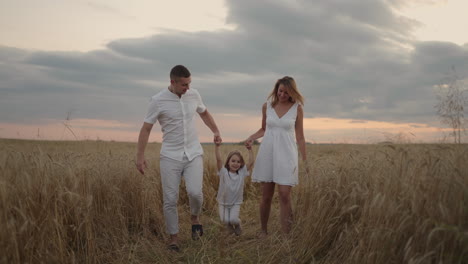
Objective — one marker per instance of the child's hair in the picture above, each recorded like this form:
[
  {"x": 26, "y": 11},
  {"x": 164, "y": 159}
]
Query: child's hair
[{"x": 232, "y": 153}]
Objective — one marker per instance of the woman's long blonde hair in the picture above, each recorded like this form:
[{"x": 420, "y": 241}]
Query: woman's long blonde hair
[{"x": 290, "y": 85}]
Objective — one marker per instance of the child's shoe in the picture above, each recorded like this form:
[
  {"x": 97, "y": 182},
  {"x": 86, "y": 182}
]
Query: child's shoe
[{"x": 237, "y": 230}]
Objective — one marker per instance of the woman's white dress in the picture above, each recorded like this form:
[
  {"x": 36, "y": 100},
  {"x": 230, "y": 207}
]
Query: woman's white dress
[{"x": 277, "y": 157}]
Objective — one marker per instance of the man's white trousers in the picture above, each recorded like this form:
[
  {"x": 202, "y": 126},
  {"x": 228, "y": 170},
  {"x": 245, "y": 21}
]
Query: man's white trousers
[{"x": 172, "y": 172}]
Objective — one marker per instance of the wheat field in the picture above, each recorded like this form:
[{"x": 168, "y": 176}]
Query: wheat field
[{"x": 84, "y": 202}]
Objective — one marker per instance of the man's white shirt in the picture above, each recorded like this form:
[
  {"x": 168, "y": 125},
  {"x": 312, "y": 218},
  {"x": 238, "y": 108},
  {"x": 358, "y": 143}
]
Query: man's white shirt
[{"x": 176, "y": 117}]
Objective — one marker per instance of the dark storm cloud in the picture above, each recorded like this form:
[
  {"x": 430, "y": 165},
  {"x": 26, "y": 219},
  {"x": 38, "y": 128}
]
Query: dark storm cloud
[
  {"x": 95, "y": 85},
  {"x": 351, "y": 59}
]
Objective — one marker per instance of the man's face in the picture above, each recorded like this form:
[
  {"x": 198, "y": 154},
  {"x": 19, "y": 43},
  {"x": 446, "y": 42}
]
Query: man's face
[{"x": 181, "y": 85}]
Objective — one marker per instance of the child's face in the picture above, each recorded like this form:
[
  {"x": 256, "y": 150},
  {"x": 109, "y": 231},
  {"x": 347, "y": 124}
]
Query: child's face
[{"x": 234, "y": 163}]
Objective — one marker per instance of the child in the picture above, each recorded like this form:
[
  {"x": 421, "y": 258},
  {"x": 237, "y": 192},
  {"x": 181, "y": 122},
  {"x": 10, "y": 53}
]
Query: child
[{"x": 231, "y": 187}]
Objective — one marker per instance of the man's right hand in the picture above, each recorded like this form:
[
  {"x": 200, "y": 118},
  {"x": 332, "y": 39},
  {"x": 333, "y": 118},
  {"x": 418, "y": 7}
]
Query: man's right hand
[
  {"x": 141, "y": 165},
  {"x": 217, "y": 139}
]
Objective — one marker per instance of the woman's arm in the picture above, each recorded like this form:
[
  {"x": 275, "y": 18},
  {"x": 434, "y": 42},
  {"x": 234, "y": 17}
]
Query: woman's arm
[
  {"x": 261, "y": 131},
  {"x": 300, "y": 135}
]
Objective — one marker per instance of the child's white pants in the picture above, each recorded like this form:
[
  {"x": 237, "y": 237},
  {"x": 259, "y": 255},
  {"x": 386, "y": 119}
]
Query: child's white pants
[
  {"x": 172, "y": 172},
  {"x": 229, "y": 214}
]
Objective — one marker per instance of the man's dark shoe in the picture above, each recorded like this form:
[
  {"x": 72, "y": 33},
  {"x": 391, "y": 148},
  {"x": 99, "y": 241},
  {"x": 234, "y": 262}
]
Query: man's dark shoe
[{"x": 197, "y": 231}]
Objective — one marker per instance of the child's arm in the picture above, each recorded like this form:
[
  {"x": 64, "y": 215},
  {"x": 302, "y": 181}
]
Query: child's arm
[
  {"x": 219, "y": 161},
  {"x": 251, "y": 158}
]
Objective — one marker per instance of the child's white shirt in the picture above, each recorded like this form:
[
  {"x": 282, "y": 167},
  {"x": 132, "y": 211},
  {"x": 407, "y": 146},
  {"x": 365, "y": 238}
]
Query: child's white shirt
[{"x": 231, "y": 186}]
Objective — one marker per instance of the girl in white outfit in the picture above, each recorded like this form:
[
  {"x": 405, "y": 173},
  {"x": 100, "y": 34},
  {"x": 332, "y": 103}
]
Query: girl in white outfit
[{"x": 231, "y": 187}]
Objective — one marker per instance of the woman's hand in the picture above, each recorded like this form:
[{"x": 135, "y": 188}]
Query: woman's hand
[{"x": 306, "y": 165}]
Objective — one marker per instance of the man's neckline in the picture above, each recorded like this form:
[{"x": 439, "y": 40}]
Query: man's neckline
[{"x": 169, "y": 88}]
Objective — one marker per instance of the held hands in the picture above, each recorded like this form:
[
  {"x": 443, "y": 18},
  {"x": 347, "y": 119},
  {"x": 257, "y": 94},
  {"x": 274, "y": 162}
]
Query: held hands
[
  {"x": 248, "y": 146},
  {"x": 248, "y": 143},
  {"x": 217, "y": 139}
]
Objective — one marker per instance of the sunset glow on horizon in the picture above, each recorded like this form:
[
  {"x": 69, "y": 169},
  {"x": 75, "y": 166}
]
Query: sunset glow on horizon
[{"x": 234, "y": 128}]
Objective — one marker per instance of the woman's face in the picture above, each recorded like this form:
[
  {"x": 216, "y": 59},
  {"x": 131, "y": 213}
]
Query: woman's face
[{"x": 282, "y": 93}]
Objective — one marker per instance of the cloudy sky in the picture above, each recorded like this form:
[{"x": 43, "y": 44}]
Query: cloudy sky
[{"x": 367, "y": 68}]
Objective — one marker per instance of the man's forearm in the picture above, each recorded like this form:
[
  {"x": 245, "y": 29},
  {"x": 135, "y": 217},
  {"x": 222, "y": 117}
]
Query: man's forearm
[
  {"x": 142, "y": 142},
  {"x": 210, "y": 123}
]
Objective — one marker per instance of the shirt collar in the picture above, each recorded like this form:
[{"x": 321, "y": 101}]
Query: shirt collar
[{"x": 172, "y": 95}]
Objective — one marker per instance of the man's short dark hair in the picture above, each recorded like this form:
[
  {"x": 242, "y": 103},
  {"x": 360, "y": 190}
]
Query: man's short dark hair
[{"x": 179, "y": 71}]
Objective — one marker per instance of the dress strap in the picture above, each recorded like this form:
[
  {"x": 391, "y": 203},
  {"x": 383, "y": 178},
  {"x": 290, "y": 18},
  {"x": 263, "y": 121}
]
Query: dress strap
[{"x": 293, "y": 109}]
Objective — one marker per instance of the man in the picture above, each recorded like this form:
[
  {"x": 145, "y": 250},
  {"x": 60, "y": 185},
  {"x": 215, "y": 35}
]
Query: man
[{"x": 181, "y": 152}]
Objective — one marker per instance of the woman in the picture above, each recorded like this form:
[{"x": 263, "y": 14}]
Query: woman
[{"x": 277, "y": 158}]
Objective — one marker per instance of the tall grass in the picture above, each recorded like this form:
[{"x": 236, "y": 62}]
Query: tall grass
[{"x": 84, "y": 202}]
